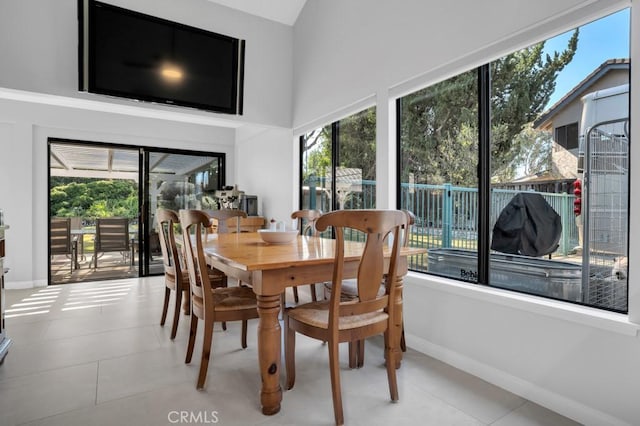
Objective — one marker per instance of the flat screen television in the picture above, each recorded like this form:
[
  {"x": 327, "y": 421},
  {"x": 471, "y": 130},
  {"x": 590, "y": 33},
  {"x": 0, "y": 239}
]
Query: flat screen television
[{"x": 129, "y": 54}]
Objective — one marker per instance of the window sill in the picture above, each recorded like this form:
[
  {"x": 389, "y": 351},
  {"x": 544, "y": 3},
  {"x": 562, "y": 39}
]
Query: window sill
[{"x": 583, "y": 315}]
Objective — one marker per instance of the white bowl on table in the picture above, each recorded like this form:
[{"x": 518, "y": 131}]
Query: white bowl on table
[{"x": 277, "y": 237}]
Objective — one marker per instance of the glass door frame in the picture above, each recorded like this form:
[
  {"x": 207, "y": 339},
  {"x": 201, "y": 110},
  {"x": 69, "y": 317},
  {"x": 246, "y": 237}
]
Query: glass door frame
[
  {"x": 146, "y": 223},
  {"x": 143, "y": 255}
]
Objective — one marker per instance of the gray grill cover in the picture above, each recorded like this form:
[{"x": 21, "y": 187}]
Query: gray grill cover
[{"x": 527, "y": 226}]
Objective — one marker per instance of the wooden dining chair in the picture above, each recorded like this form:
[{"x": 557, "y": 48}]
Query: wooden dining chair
[
  {"x": 349, "y": 291},
  {"x": 371, "y": 313},
  {"x": 307, "y": 225},
  {"x": 223, "y": 215},
  {"x": 176, "y": 277},
  {"x": 207, "y": 303}
]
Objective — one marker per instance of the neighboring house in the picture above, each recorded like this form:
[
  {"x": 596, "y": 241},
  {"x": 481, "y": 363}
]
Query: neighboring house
[
  {"x": 563, "y": 121},
  {"x": 563, "y": 118}
]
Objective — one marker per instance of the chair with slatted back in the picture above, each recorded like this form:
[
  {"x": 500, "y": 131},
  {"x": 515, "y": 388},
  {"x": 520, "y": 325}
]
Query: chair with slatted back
[
  {"x": 61, "y": 241},
  {"x": 112, "y": 234},
  {"x": 176, "y": 276},
  {"x": 349, "y": 292},
  {"x": 222, "y": 217},
  {"x": 371, "y": 313},
  {"x": 307, "y": 225},
  {"x": 221, "y": 225},
  {"x": 207, "y": 303}
]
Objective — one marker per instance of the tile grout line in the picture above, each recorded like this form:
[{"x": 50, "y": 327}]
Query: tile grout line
[
  {"x": 510, "y": 412},
  {"x": 95, "y": 400}
]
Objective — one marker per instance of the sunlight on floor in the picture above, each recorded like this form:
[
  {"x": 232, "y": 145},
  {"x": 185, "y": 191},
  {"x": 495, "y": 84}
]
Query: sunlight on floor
[{"x": 98, "y": 295}]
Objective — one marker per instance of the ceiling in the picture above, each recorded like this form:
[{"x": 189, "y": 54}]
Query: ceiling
[{"x": 283, "y": 11}]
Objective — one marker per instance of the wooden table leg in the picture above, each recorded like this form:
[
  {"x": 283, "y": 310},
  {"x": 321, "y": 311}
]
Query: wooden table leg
[
  {"x": 269, "y": 349},
  {"x": 397, "y": 320}
]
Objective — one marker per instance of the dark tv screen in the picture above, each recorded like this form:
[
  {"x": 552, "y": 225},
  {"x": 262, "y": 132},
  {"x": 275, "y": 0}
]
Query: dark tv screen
[{"x": 133, "y": 55}]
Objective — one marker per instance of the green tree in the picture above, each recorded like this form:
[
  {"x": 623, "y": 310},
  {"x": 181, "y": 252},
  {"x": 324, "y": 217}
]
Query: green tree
[
  {"x": 317, "y": 153},
  {"x": 439, "y": 123},
  {"x": 357, "y": 143},
  {"x": 93, "y": 198}
]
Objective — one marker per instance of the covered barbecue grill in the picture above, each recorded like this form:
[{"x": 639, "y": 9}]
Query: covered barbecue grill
[{"x": 527, "y": 226}]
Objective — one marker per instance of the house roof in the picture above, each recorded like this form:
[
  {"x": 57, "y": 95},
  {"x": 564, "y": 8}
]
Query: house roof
[
  {"x": 544, "y": 177},
  {"x": 581, "y": 88}
]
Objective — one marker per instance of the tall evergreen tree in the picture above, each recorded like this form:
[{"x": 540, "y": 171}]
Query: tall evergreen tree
[{"x": 439, "y": 127}]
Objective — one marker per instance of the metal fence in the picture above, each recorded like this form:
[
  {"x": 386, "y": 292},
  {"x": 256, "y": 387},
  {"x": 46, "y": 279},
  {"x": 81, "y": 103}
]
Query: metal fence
[{"x": 446, "y": 215}]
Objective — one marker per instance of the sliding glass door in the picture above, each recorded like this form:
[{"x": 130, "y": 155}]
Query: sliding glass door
[
  {"x": 94, "y": 213},
  {"x": 176, "y": 180},
  {"x": 113, "y": 191}
]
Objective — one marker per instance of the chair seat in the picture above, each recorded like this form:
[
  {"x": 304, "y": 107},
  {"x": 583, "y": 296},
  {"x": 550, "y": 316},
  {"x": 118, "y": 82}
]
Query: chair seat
[
  {"x": 316, "y": 314},
  {"x": 349, "y": 290},
  {"x": 231, "y": 299}
]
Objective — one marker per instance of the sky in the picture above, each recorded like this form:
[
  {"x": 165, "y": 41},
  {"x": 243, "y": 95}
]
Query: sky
[{"x": 606, "y": 38}]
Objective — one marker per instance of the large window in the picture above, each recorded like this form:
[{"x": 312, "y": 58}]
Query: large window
[
  {"x": 438, "y": 159},
  {"x": 501, "y": 199},
  {"x": 345, "y": 149}
]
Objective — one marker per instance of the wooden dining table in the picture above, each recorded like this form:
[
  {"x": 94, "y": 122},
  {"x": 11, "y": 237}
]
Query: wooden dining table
[{"x": 270, "y": 269}]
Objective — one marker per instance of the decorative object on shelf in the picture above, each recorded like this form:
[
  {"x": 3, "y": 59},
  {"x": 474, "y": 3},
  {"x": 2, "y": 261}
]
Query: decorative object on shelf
[{"x": 229, "y": 197}]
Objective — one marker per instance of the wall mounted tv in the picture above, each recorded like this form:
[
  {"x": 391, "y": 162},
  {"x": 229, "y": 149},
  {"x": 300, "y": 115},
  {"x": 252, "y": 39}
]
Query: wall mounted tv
[{"x": 133, "y": 55}]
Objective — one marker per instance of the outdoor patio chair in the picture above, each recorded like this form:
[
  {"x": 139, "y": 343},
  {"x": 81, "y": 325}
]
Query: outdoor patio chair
[
  {"x": 62, "y": 242},
  {"x": 112, "y": 234}
]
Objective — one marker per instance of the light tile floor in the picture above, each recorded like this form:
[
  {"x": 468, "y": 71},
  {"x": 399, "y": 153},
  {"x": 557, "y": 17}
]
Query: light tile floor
[{"x": 94, "y": 354}]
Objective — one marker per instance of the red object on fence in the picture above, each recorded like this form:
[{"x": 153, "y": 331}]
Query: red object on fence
[{"x": 577, "y": 191}]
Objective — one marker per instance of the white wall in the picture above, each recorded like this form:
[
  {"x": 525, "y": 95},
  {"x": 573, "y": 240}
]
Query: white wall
[
  {"x": 39, "y": 49},
  {"x": 267, "y": 166},
  {"x": 39, "y": 99},
  {"x": 24, "y": 131},
  {"x": 580, "y": 362}
]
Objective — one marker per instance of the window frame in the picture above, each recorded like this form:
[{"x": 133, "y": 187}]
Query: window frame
[{"x": 485, "y": 191}]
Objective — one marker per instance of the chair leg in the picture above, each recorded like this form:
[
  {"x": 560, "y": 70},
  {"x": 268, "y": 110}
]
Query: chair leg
[
  {"x": 295, "y": 295},
  {"x": 356, "y": 354},
  {"x": 334, "y": 367},
  {"x": 176, "y": 314},
  {"x": 224, "y": 325},
  {"x": 165, "y": 306},
  {"x": 206, "y": 352},
  {"x": 314, "y": 298},
  {"x": 390, "y": 356},
  {"x": 403, "y": 344},
  {"x": 353, "y": 355},
  {"x": 192, "y": 338},
  {"x": 244, "y": 334},
  {"x": 360, "y": 353},
  {"x": 289, "y": 354}
]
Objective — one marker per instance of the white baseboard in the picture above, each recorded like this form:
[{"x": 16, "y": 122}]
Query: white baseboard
[
  {"x": 21, "y": 285},
  {"x": 559, "y": 403}
]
